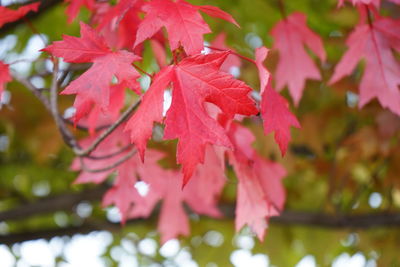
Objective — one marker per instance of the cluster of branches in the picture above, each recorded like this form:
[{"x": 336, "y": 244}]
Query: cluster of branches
[{"x": 51, "y": 104}]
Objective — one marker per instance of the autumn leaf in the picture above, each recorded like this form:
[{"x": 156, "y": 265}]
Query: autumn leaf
[
  {"x": 274, "y": 108},
  {"x": 75, "y": 5},
  {"x": 195, "y": 80},
  {"x": 201, "y": 194},
  {"x": 198, "y": 79},
  {"x": 93, "y": 86},
  {"x": 119, "y": 23},
  {"x": 183, "y": 22},
  {"x": 5, "y": 76},
  {"x": 381, "y": 78},
  {"x": 365, "y": 2},
  {"x": 9, "y": 15},
  {"x": 260, "y": 193},
  {"x": 140, "y": 126},
  {"x": 295, "y": 65}
]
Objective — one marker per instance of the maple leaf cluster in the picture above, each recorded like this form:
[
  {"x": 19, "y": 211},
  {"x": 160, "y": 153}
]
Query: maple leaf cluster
[{"x": 208, "y": 103}]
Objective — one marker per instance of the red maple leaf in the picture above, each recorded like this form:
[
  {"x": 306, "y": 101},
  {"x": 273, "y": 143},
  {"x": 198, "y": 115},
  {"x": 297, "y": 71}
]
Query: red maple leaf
[
  {"x": 295, "y": 65},
  {"x": 9, "y": 15},
  {"x": 260, "y": 190},
  {"x": 274, "y": 108},
  {"x": 93, "y": 86},
  {"x": 381, "y": 78},
  {"x": 74, "y": 6},
  {"x": 183, "y": 22},
  {"x": 196, "y": 80},
  {"x": 119, "y": 23},
  {"x": 5, "y": 76}
]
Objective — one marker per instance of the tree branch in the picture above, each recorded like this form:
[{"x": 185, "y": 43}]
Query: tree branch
[
  {"x": 109, "y": 167},
  {"x": 67, "y": 202},
  {"x": 361, "y": 221},
  {"x": 52, "y": 106},
  {"x": 68, "y": 137},
  {"x": 62, "y": 202},
  {"x": 107, "y": 132}
]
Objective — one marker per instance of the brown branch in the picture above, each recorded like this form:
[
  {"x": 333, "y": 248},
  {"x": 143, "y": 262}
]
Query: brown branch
[
  {"x": 52, "y": 106},
  {"x": 352, "y": 221},
  {"x": 66, "y": 202},
  {"x": 62, "y": 202},
  {"x": 142, "y": 70},
  {"x": 361, "y": 221},
  {"x": 282, "y": 9},
  {"x": 47, "y": 234},
  {"x": 68, "y": 137}
]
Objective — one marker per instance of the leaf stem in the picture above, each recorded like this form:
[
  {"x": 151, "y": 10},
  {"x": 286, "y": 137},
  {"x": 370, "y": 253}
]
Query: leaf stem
[
  {"x": 369, "y": 16},
  {"x": 107, "y": 156},
  {"x": 35, "y": 31},
  {"x": 233, "y": 53},
  {"x": 142, "y": 70},
  {"x": 282, "y": 9}
]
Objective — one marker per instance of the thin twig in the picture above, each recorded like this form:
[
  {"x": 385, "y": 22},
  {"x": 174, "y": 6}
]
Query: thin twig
[
  {"x": 107, "y": 132},
  {"x": 84, "y": 128},
  {"x": 52, "y": 106},
  {"x": 282, "y": 9},
  {"x": 142, "y": 70},
  {"x": 68, "y": 137},
  {"x": 34, "y": 30},
  {"x": 107, "y": 156},
  {"x": 110, "y": 167}
]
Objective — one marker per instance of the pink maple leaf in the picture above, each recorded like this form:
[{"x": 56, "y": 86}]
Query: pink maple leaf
[
  {"x": 274, "y": 108},
  {"x": 295, "y": 65},
  {"x": 365, "y": 2},
  {"x": 75, "y": 5},
  {"x": 260, "y": 190},
  {"x": 201, "y": 194},
  {"x": 382, "y": 71},
  {"x": 127, "y": 198}
]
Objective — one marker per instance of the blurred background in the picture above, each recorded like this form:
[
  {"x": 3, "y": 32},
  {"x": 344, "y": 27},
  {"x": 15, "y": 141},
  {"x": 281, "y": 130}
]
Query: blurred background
[{"x": 343, "y": 184}]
